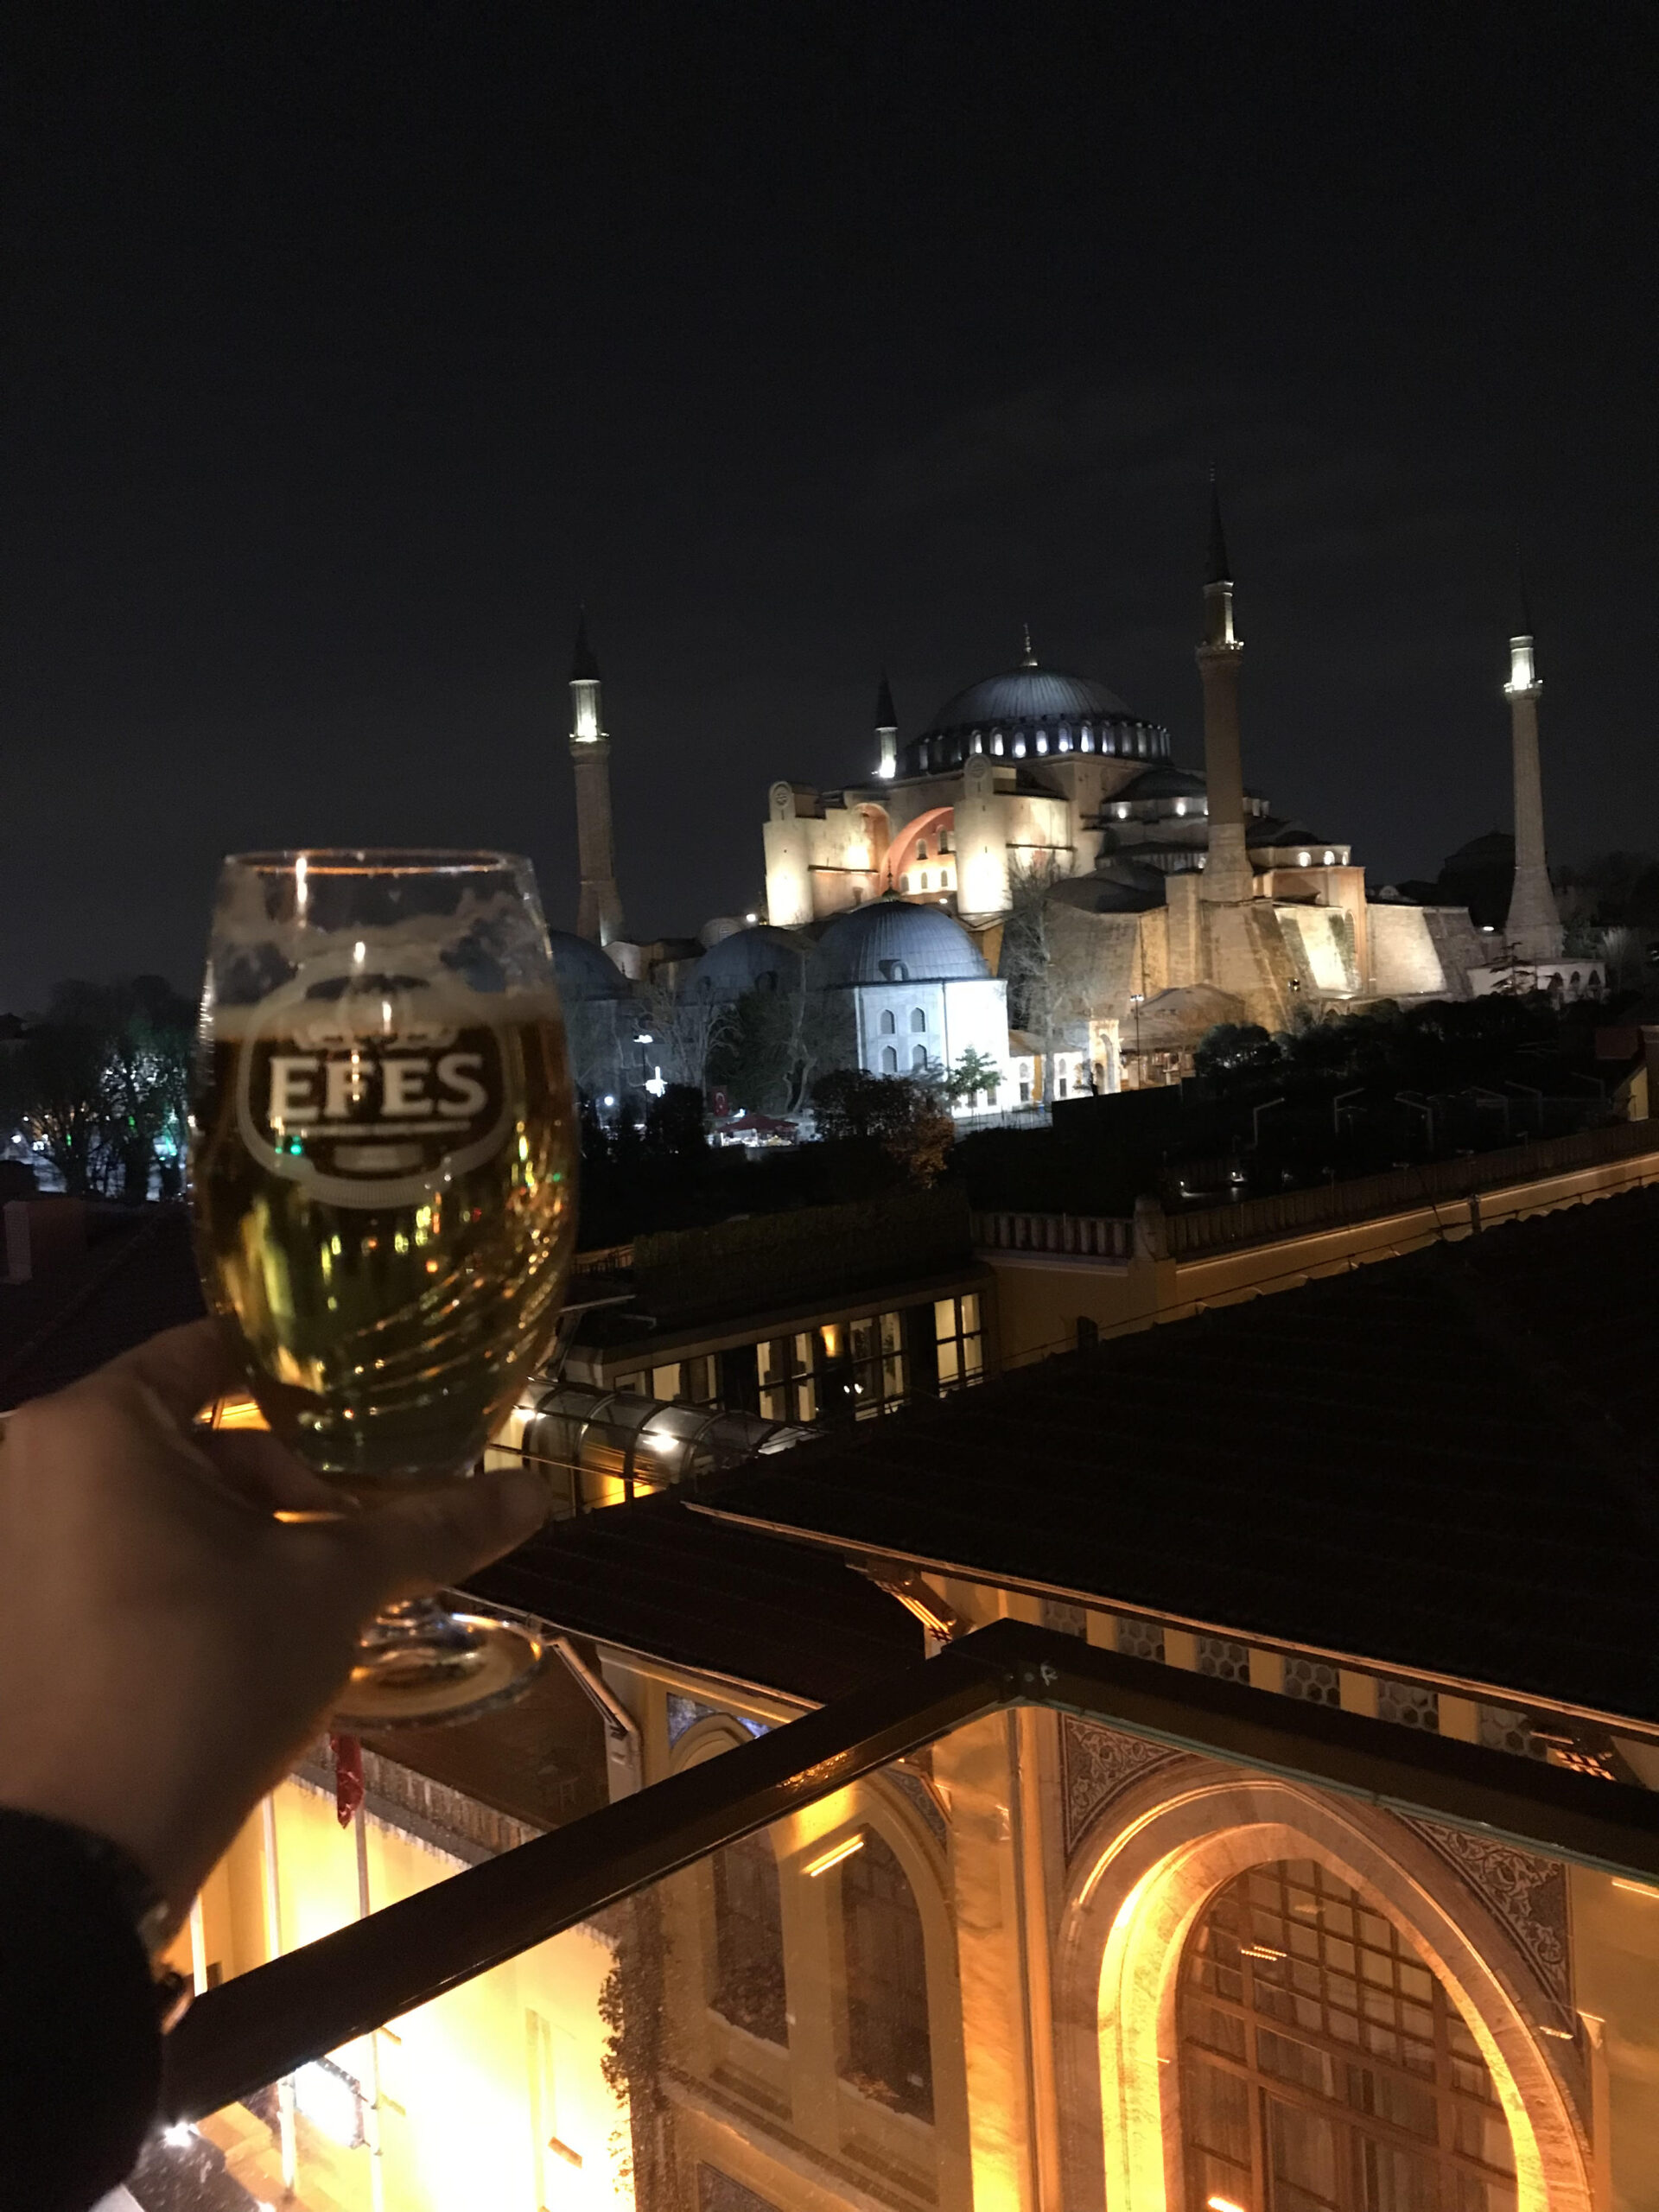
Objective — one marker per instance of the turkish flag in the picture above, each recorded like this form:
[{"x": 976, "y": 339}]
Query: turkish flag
[{"x": 348, "y": 1777}]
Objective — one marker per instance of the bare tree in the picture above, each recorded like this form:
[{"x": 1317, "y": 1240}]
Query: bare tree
[{"x": 688, "y": 1025}]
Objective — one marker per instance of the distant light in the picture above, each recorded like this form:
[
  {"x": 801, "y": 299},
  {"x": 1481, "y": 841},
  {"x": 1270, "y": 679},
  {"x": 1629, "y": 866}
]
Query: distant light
[
  {"x": 645, "y": 1037},
  {"x": 1329, "y": 860},
  {"x": 178, "y": 2135},
  {"x": 750, "y": 919},
  {"x": 610, "y": 1101},
  {"x": 358, "y": 951},
  {"x": 1303, "y": 859},
  {"x": 1221, "y": 2204},
  {"x": 1488, "y": 929},
  {"x": 836, "y": 1853}
]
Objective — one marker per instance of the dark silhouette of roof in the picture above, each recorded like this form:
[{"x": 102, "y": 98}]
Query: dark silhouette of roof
[
  {"x": 656, "y": 1578},
  {"x": 136, "y": 1276},
  {"x": 1447, "y": 1461},
  {"x": 584, "y": 666}
]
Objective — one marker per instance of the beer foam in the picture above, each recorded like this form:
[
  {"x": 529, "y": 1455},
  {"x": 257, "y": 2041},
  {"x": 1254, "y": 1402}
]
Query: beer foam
[{"x": 442, "y": 1007}]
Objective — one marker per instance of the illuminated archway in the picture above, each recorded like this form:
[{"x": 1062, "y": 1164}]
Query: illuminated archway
[
  {"x": 1143, "y": 1881},
  {"x": 904, "y": 852}
]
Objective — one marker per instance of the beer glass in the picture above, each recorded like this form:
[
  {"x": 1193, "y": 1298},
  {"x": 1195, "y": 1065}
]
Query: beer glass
[{"x": 383, "y": 1153}]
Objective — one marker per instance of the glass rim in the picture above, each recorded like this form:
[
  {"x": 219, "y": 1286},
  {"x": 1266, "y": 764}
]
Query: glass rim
[{"x": 377, "y": 860}]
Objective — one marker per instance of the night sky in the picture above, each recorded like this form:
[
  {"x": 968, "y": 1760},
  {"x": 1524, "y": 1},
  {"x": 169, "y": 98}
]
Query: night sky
[{"x": 347, "y": 347}]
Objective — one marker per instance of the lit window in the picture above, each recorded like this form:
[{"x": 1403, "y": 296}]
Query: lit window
[
  {"x": 1180, "y": 806},
  {"x": 1329, "y": 860},
  {"x": 1122, "y": 813},
  {"x": 1088, "y": 739},
  {"x": 996, "y": 744},
  {"x": 1019, "y": 748},
  {"x": 1302, "y": 859},
  {"x": 1042, "y": 742},
  {"x": 956, "y": 1322}
]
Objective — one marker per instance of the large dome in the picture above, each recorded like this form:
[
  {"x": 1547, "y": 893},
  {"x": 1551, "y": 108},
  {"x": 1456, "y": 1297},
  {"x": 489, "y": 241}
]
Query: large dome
[
  {"x": 763, "y": 959},
  {"x": 890, "y": 941},
  {"x": 583, "y": 971},
  {"x": 1030, "y": 712}
]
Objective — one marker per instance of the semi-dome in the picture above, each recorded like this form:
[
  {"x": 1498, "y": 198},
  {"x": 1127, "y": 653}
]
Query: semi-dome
[
  {"x": 762, "y": 959},
  {"x": 583, "y": 971},
  {"x": 1028, "y": 713},
  {"x": 891, "y": 941}
]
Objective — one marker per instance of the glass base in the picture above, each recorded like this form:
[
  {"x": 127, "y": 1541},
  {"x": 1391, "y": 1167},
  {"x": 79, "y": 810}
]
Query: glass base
[{"x": 419, "y": 1665}]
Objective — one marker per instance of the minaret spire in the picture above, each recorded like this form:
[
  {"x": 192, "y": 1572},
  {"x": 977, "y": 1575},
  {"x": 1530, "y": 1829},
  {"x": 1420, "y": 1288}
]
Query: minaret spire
[
  {"x": 1533, "y": 928},
  {"x": 1227, "y": 875},
  {"x": 887, "y": 728},
  {"x": 1028, "y": 659},
  {"x": 599, "y": 910}
]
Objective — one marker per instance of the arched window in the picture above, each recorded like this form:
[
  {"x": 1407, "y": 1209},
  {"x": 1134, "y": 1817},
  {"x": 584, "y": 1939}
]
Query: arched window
[
  {"x": 889, "y": 1024},
  {"x": 1322, "y": 2063},
  {"x": 889, "y": 1060},
  {"x": 921, "y": 849},
  {"x": 749, "y": 1939},
  {"x": 918, "y": 1056},
  {"x": 886, "y": 2051},
  {"x": 918, "y": 1017},
  {"x": 924, "y": 879},
  {"x": 904, "y": 883}
]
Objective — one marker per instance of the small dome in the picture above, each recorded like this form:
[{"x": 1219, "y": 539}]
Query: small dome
[
  {"x": 1166, "y": 781},
  {"x": 1008, "y": 714},
  {"x": 748, "y": 960},
  {"x": 891, "y": 941},
  {"x": 584, "y": 971}
]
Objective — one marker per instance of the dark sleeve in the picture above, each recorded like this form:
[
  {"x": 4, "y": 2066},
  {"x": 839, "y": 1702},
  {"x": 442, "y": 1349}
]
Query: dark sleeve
[{"x": 80, "y": 2045}]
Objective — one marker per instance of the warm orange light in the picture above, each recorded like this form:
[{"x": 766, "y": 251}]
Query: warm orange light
[
  {"x": 836, "y": 1853},
  {"x": 1636, "y": 1888},
  {"x": 832, "y": 1334},
  {"x": 240, "y": 1412},
  {"x": 1221, "y": 2204}
]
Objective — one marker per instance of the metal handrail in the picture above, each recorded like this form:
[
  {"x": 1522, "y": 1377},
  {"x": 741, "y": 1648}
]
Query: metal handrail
[{"x": 261, "y": 2025}]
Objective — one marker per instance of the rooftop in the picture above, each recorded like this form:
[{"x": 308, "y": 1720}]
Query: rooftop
[{"x": 1445, "y": 1462}]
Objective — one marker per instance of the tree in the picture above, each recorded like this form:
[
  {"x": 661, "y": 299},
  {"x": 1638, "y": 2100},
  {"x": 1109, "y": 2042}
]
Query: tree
[
  {"x": 974, "y": 1072},
  {"x": 1234, "y": 1048},
  {"x": 687, "y": 1026},
  {"x": 895, "y": 1111},
  {"x": 756, "y": 1059}
]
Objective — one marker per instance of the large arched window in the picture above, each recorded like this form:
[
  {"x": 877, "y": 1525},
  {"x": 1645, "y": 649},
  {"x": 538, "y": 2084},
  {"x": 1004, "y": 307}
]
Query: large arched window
[
  {"x": 1323, "y": 2069},
  {"x": 889, "y": 1024},
  {"x": 886, "y": 2051},
  {"x": 918, "y": 1056},
  {"x": 918, "y": 1017},
  {"x": 749, "y": 1987},
  {"x": 889, "y": 1060}
]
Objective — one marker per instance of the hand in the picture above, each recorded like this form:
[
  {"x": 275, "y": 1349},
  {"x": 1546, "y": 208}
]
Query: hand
[{"x": 167, "y": 1645}]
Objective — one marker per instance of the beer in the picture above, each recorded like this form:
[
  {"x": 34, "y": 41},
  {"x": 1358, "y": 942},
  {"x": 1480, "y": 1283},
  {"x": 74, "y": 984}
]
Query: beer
[{"x": 385, "y": 1204}]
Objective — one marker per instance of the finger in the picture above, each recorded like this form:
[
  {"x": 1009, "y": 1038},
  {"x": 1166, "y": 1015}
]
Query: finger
[
  {"x": 264, "y": 1473},
  {"x": 429, "y": 1541},
  {"x": 184, "y": 1367}
]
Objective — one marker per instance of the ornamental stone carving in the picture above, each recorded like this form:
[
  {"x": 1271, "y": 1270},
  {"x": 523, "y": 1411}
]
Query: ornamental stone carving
[
  {"x": 1528, "y": 1894},
  {"x": 1095, "y": 1763}
]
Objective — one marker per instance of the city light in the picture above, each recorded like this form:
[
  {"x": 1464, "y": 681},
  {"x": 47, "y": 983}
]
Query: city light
[{"x": 178, "y": 2135}]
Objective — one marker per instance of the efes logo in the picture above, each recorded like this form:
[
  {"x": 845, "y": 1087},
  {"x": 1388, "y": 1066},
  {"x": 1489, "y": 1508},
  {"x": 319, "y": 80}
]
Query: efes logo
[{"x": 369, "y": 1090}]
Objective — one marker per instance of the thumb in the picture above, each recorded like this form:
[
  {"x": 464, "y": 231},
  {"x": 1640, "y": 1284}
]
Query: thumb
[{"x": 438, "y": 1537}]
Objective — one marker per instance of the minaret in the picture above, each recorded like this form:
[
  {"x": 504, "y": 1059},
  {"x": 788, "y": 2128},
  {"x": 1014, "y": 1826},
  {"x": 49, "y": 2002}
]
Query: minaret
[
  {"x": 599, "y": 914},
  {"x": 1028, "y": 659},
  {"x": 1533, "y": 928},
  {"x": 886, "y": 729},
  {"x": 1227, "y": 875}
]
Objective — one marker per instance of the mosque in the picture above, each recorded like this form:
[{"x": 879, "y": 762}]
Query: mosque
[{"x": 1035, "y": 855}]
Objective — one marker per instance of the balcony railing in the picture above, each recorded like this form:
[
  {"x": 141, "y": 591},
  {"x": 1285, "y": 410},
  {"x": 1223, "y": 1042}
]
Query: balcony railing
[
  {"x": 266, "y": 2024},
  {"x": 1086, "y": 1237}
]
